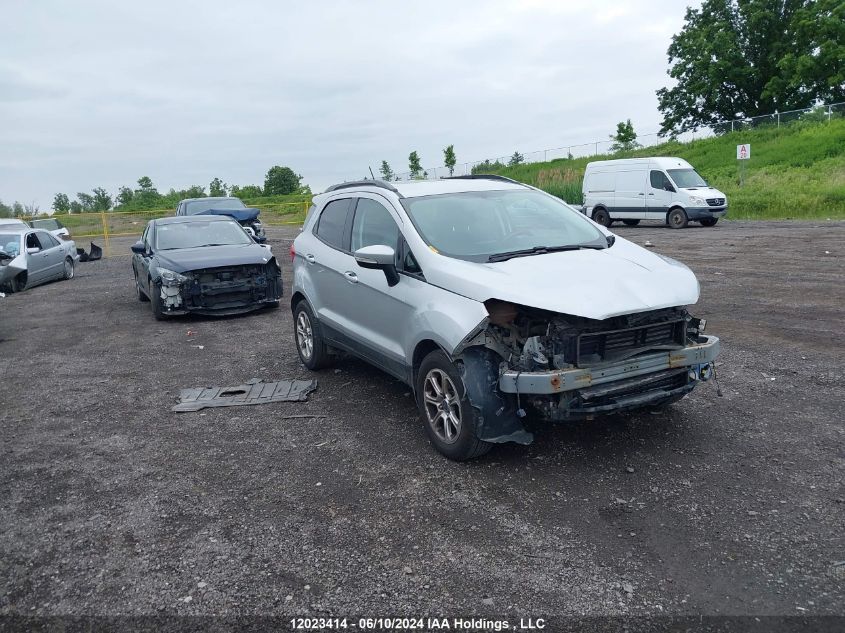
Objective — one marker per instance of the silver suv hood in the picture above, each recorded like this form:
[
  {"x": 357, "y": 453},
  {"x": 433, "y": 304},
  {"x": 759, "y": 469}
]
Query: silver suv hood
[{"x": 595, "y": 284}]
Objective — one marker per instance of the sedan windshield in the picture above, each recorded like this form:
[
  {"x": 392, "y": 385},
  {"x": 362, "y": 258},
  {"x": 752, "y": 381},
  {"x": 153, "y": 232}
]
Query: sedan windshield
[
  {"x": 686, "y": 178},
  {"x": 198, "y": 234},
  {"x": 10, "y": 243},
  {"x": 481, "y": 225},
  {"x": 47, "y": 225},
  {"x": 198, "y": 206}
]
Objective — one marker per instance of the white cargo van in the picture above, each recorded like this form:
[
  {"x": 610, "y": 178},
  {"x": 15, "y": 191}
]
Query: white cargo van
[{"x": 665, "y": 189}]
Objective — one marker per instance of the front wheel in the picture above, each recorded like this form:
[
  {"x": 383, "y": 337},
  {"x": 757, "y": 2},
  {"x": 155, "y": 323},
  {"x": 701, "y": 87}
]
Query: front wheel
[
  {"x": 709, "y": 221},
  {"x": 601, "y": 216},
  {"x": 450, "y": 419},
  {"x": 155, "y": 302},
  {"x": 677, "y": 219},
  {"x": 631, "y": 222}
]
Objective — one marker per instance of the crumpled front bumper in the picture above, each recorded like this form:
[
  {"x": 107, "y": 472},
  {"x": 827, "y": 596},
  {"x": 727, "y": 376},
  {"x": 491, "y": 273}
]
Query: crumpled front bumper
[{"x": 567, "y": 380}]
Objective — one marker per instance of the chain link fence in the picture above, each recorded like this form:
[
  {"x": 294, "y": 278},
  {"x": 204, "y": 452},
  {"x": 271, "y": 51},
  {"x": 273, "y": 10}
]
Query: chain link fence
[{"x": 816, "y": 114}]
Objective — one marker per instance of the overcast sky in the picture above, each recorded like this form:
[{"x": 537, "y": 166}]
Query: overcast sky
[{"x": 101, "y": 93}]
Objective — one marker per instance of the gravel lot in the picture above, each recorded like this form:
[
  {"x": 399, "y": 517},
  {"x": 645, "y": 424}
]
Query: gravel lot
[{"x": 112, "y": 504}]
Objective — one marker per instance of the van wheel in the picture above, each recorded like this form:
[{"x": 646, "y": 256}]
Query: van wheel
[
  {"x": 677, "y": 219},
  {"x": 308, "y": 337},
  {"x": 450, "y": 419},
  {"x": 709, "y": 221},
  {"x": 631, "y": 222},
  {"x": 601, "y": 216}
]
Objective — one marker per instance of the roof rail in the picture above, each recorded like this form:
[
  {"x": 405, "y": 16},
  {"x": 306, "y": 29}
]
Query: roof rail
[
  {"x": 485, "y": 177},
  {"x": 365, "y": 183}
]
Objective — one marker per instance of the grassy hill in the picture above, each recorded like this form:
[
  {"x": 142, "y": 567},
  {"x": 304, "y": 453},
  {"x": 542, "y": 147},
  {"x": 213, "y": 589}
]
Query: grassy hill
[{"x": 795, "y": 171}]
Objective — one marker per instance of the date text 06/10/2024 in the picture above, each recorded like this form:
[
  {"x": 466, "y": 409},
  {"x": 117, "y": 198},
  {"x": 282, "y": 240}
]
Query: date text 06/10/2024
[{"x": 416, "y": 624}]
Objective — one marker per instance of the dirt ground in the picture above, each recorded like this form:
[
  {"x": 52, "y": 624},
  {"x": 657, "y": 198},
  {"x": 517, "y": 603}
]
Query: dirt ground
[{"x": 111, "y": 504}]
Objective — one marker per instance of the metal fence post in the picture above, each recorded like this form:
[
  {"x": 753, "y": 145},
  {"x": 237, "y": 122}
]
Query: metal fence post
[
  {"x": 106, "y": 242},
  {"x": 829, "y": 110},
  {"x": 778, "y": 113},
  {"x": 732, "y": 125}
]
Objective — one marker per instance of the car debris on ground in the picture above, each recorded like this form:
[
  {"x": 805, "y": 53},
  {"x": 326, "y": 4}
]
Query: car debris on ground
[{"x": 254, "y": 391}]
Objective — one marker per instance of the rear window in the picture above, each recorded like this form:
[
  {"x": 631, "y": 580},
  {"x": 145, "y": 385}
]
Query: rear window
[
  {"x": 198, "y": 206},
  {"x": 331, "y": 224}
]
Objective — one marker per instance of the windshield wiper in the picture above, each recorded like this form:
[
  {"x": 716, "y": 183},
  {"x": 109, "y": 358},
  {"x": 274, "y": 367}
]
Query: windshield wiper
[{"x": 541, "y": 250}]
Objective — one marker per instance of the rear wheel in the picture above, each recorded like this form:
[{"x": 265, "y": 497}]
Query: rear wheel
[
  {"x": 308, "y": 337},
  {"x": 68, "y": 268},
  {"x": 631, "y": 222},
  {"x": 601, "y": 216},
  {"x": 677, "y": 218},
  {"x": 709, "y": 221},
  {"x": 450, "y": 419}
]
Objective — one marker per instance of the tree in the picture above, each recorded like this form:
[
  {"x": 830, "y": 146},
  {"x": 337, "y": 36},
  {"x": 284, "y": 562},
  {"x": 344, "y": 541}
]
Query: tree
[
  {"x": 145, "y": 185},
  {"x": 744, "y": 58},
  {"x": 414, "y": 164},
  {"x": 146, "y": 196},
  {"x": 75, "y": 207},
  {"x": 281, "y": 181},
  {"x": 17, "y": 209},
  {"x": 516, "y": 159},
  {"x": 486, "y": 167},
  {"x": 124, "y": 196},
  {"x": 247, "y": 191},
  {"x": 449, "y": 158},
  {"x": 5, "y": 210},
  {"x": 194, "y": 191},
  {"x": 217, "y": 188},
  {"x": 386, "y": 171},
  {"x": 625, "y": 138},
  {"x": 86, "y": 201},
  {"x": 32, "y": 209},
  {"x": 101, "y": 199},
  {"x": 61, "y": 203}
]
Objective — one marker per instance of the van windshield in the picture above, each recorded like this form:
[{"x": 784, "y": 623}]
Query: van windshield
[
  {"x": 686, "y": 178},
  {"x": 477, "y": 226}
]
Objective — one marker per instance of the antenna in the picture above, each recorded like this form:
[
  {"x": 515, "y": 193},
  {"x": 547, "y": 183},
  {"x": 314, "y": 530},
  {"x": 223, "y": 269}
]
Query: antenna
[{"x": 371, "y": 173}]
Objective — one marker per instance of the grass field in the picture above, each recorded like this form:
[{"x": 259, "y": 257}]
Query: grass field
[{"x": 795, "y": 171}]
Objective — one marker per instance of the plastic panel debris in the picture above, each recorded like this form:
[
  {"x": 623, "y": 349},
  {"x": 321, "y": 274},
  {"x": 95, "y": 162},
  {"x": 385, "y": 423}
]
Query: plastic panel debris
[{"x": 254, "y": 391}]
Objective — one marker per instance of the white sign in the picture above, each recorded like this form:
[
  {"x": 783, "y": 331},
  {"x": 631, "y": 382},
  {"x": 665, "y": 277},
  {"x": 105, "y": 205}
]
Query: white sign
[{"x": 743, "y": 152}]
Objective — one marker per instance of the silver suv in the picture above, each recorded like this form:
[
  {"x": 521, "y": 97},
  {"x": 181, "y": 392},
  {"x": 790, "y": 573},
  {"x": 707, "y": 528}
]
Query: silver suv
[{"x": 492, "y": 299}]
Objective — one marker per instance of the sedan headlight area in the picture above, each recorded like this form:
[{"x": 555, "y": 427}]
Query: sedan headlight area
[{"x": 171, "y": 278}]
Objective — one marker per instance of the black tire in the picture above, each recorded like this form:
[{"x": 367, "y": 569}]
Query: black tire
[
  {"x": 631, "y": 222},
  {"x": 601, "y": 216},
  {"x": 306, "y": 327},
  {"x": 18, "y": 284},
  {"x": 709, "y": 221},
  {"x": 155, "y": 302},
  {"x": 141, "y": 296},
  {"x": 69, "y": 268},
  {"x": 464, "y": 444},
  {"x": 677, "y": 218}
]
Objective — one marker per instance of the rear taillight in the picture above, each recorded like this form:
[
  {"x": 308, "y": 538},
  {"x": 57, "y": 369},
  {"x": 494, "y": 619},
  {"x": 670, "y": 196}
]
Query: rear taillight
[{"x": 292, "y": 251}]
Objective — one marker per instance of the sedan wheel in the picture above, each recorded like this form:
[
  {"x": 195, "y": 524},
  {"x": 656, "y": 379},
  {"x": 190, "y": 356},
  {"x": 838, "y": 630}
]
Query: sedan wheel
[
  {"x": 68, "y": 268},
  {"x": 442, "y": 406}
]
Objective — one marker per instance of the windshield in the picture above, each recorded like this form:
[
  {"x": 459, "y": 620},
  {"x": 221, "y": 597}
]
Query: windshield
[
  {"x": 686, "y": 178},
  {"x": 197, "y": 234},
  {"x": 47, "y": 225},
  {"x": 475, "y": 225},
  {"x": 10, "y": 243},
  {"x": 198, "y": 206}
]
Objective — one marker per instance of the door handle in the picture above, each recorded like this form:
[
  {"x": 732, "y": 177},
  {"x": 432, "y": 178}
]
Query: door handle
[
  {"x": 640, "y": 194},
  {"x": 651, "y": 194},
  {"x": 310, "y": 259},
  {"x": 351, "y": 277}
]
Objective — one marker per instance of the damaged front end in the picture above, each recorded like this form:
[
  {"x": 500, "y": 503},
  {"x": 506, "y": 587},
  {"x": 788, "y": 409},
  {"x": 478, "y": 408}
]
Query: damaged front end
[
  {"x": 220, "y": 290},
  {"x": 568, "y": 368}
]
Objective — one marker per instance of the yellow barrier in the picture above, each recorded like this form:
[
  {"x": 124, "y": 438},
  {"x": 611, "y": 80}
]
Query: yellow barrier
[{"x": 115, "y": 224}]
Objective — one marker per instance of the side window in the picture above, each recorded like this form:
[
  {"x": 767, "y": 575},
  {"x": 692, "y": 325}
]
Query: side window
[
  {"x": 373, "y": 224},
  {"x": 47, "y": 240},
  {"x": 657, "y": 179},
  {"x": 331, "y": 223},
  {"x": 32, "y": 241},
  {"x": 409, "y": 262}
]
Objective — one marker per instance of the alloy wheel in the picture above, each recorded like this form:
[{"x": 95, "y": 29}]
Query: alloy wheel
[
  {"x": 442, "y": 405},
  {"x": 304, "y": 335}
]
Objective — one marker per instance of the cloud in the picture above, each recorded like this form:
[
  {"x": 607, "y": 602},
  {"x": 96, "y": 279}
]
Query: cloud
[{"x": 101, "y": 93}]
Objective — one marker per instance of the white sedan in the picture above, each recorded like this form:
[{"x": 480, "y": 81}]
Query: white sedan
[{"x": 29, "y": 257}]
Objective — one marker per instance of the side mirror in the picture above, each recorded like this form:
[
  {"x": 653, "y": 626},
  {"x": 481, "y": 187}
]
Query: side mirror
[
  {"x": 668, "y": 187},
  {"x": 138, "y": 247},
  {"x": 611, "y": 240},
  {"x": 379, "y": 257},
  {"x": 31, "y": 250}
]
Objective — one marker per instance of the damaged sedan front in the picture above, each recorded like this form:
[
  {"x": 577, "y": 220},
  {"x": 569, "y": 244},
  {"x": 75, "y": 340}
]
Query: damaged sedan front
[{"x": 205, "y": 265}]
